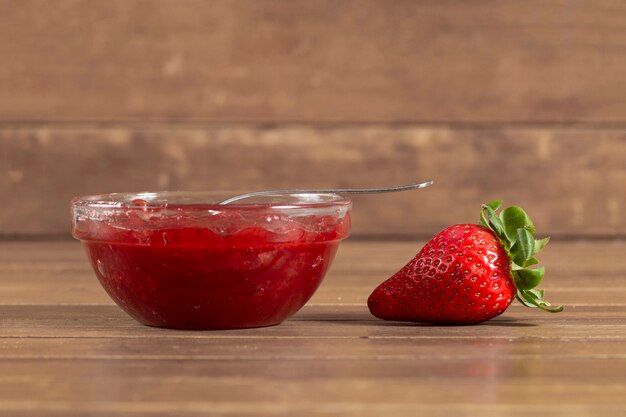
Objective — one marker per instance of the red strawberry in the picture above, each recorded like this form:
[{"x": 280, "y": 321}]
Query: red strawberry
[{"x": 467, "y": 273}]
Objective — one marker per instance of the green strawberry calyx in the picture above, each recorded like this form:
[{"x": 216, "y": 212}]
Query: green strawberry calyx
[{"x": 515, "y": 230}]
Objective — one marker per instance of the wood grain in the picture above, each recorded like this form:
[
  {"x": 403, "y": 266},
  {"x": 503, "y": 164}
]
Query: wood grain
[
  {"x": 75, "y": 354},
  {"x": 343, "y": 322},
  {"x": 53, "y": 273},
  {"x": 571, "y": 180},
  {"x": 316, "y": 61}
]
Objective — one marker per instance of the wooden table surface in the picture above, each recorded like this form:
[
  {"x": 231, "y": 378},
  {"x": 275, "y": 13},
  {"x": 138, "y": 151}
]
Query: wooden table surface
[{"x": 67, "y": 350}]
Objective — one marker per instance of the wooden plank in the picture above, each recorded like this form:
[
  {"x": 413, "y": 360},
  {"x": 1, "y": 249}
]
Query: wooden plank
[
  {"x": 231, "y": 380},
  {"x": 571, "y": 180},
  {"x": 337, "y": 289},
  {"x": 323, "y": 322},
  {"x": 312, "y": 61},
  {"x": 166, "y": 384},
  {"x": 58, "y": 272},
  {"x": 301, "y": 349},
  {"x": 574, "y": 259},
  {"x": 343, "y": 409},
  {"x": 329, "y": 359}
]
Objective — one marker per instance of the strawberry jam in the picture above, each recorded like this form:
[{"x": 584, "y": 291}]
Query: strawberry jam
[{"x": 204, "y": 266}]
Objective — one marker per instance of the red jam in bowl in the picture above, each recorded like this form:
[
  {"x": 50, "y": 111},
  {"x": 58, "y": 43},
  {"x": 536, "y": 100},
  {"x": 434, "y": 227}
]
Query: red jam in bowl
[{"x": 172, "y": 260}]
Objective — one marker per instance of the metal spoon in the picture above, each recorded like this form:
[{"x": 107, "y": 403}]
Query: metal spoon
[{"x": 333, "y": 191}]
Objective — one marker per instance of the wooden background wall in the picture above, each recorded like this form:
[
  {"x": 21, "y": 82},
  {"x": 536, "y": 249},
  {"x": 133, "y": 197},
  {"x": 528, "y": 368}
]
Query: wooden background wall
[{"x": 524, "y": 101}]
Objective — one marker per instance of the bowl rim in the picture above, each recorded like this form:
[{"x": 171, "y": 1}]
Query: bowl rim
[
  {"x": 94, "y": 217},
  {"x": 199, "y": 200}
]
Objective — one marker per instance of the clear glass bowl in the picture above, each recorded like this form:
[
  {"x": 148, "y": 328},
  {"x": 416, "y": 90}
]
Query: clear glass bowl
[{"x": 180, "y": 260}]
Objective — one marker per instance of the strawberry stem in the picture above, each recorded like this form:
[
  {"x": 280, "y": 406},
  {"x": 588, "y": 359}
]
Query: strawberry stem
[{"x": 515, "y": 230}]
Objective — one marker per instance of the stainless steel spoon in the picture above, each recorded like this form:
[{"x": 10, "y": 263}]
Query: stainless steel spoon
[{"x": 333, "y": 191}]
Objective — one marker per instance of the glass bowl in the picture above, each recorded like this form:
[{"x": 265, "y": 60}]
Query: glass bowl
[{"x": 180, "y": 260}]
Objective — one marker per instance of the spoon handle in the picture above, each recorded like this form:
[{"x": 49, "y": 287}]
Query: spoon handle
[{"x": 330, "y": 190}]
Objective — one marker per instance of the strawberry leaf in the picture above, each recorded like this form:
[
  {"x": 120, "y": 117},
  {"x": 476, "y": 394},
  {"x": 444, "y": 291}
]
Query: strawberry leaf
[
  {"x": 515, "y": 229},
  {"x": 492, "y": 220},
  {"x": 494, "y": 204},
  {"x": 535, "y": 298},
  {"x": 517, "y": 256},
  {"x": 540, "y": 244},
  {"x": 527, "y": 279},
  {"x": 514, "y": 218},
  {"x": 483, "y": 221},
  {"x": 523, "y": 300},
  {"x": 526, "y": 243},
  {"x": 532, "y": 261}
]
